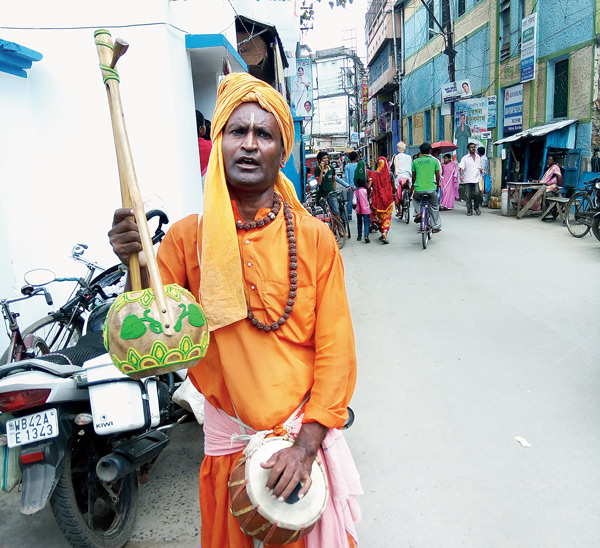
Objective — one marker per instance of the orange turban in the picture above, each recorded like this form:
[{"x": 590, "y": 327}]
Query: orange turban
[{"x": 221, "y": 283}]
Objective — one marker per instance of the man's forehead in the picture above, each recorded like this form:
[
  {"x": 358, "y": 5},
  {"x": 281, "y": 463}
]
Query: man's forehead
[{"x": 244, "y": 110}]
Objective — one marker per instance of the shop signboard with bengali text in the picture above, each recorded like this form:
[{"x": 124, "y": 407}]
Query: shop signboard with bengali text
[
  {"x": 365, "y": 94},
  {"x": 528, "y": 47},
  {"x": 513, "y": 109}
]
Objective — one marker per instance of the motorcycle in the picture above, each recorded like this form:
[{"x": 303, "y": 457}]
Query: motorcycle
[{"x": 82, "y": 434}]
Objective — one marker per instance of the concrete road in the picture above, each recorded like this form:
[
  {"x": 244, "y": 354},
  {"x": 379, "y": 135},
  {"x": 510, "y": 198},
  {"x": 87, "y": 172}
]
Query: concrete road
[{"x": 486, "y": 336}]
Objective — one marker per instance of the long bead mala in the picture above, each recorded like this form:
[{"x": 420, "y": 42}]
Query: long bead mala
[{"x": 293, "y": 266}]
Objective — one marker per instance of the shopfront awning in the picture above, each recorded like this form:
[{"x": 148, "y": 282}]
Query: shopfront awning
[{"x": 538, "y": 131}]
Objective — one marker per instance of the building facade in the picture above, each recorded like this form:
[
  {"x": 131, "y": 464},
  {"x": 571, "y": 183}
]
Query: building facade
[
  {"x": 552, "y": 84},
  {"x": 383, "y": 37}
]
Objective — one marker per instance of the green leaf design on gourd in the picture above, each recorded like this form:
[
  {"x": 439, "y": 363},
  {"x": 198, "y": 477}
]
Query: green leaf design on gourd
[
  {"x": 132, "y": 327},
  {"x": 196, "y": 316}
]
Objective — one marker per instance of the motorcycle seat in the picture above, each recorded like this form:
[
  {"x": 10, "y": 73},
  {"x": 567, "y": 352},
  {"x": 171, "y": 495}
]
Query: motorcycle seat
[{"x": 91, "y": 345}]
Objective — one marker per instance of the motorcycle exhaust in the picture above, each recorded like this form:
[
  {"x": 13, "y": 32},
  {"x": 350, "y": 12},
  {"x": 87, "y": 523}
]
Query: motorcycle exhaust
[{"x": 130, "y": 455}]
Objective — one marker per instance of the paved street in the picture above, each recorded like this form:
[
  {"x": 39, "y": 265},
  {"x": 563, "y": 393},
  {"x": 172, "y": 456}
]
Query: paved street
[{"x": 486, "y": 336}]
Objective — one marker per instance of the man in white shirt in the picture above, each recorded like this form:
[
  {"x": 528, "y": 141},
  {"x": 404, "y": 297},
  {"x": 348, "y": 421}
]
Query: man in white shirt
[
  {"x": 470, "y": 172},
  {"x": 402, "y": 163}
]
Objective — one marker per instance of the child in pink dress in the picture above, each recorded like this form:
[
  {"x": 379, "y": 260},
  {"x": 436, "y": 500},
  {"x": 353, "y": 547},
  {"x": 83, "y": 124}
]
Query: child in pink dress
[{"x": 360, "y": 202}]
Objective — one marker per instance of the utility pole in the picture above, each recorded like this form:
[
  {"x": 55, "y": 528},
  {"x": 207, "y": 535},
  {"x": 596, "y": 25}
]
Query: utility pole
[{"x": 448, "y": 35}]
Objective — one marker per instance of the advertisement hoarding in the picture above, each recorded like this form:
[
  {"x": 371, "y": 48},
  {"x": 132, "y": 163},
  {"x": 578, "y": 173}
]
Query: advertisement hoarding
[{"x": 301, "y": 89}]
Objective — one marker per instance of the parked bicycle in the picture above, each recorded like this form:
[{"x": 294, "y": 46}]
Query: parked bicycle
[
  {"x": 582, "y": 207},
  {"x": 64, "y": 327}
]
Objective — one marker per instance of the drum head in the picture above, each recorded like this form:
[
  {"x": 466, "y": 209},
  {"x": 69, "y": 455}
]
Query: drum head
[{"x": 298, "y": 515}]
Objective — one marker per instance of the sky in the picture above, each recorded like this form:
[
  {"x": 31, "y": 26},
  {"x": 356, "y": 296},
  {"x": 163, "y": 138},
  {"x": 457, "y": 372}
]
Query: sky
[{"x": 329, "y": 26}]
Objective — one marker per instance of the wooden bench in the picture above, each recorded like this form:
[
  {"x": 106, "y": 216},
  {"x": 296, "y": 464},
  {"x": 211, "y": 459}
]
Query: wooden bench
[{"x": 558, "y": 204}]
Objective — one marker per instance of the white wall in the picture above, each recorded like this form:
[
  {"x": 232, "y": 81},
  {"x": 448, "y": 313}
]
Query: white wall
[{"x": 58, "y": 175}]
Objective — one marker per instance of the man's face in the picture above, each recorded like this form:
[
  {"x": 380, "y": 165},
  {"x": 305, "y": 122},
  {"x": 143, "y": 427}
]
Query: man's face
[
  {"x": 325, "y": 160},
  {"x": 462, "y": 119},
  {"x": 471, "y": 149},
  {"x": 252, "y": 149}
]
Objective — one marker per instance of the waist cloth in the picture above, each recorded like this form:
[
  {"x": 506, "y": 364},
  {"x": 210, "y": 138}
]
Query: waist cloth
[{"x": 224, "y": 435}]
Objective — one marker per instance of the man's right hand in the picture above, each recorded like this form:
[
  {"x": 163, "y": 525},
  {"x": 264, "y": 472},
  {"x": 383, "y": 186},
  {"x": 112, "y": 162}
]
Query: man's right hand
[{"x": 125, "y": 238}]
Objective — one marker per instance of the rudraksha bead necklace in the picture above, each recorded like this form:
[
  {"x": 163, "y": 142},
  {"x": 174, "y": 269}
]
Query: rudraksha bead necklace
[{"x": 293, "y": 266}]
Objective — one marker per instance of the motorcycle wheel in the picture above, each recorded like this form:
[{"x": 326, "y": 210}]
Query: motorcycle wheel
[{"x": 87, "y": 516}]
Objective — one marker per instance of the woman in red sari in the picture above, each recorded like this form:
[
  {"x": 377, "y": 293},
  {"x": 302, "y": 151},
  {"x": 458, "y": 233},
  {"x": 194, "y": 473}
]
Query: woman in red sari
[{"x": 382, "y": 197}]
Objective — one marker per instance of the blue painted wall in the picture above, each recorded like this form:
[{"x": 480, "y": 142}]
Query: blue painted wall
[
  {"x": 562, "y": 25},
  {"x": 421, "y": 88}
]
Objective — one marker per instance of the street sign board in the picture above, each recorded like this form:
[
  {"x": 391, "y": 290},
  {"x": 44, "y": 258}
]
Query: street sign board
[{"x": 528, "y": 47}]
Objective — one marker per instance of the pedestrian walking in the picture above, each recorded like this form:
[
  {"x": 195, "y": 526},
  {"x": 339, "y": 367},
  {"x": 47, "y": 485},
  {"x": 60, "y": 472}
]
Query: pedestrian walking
[
  {"x": 360, "y": 202},
  {"x": 487, "y": 179},
  {"x": 449, "y": 183},
  {"x": 470, "y": 173},
  {"x": 382, "y": 197},
  {"x": 426, "y": 180}
]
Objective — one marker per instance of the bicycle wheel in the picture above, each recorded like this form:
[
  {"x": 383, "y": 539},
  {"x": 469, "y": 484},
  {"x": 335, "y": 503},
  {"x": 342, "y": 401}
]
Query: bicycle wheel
[
  {"x": 337, "y": 228},
  {"x": 58, "y": 333},
  {"x": 579, "y": 214},
  {"x": 406, "y": 207},
  {"x": 596, "y": 227}
]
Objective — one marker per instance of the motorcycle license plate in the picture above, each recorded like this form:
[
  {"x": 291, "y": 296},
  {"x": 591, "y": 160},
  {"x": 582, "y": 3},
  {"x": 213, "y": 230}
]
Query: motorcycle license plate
[{"x": 32, "y": 428}]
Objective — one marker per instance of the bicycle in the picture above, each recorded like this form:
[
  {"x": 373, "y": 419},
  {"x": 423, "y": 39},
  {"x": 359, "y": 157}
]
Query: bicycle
[
  {"x": 63, "y": 328},
  {"x": 342, "y": 196},
  {"x": 405, "y": 205},
  {"x": 425, "y": 228},
  {"x": 321, "y": 210},
  {"x": 582, "y": 207}
]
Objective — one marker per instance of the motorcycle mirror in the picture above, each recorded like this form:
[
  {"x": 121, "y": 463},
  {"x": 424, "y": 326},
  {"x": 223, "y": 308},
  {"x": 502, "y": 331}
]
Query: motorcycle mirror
[{"x": 39, "y": 276}]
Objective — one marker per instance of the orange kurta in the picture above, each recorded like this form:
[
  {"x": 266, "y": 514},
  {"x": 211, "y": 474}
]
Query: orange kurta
[{"x": 267, "y": 375}]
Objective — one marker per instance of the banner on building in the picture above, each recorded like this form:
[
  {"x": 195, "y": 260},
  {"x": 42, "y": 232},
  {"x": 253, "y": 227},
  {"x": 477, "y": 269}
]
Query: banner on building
[
  {"x": 528, "y": 47},
  {"x": 385, "y": 108},
  {"x": 455, "y": 91},
  {"x": 491, "y": 119},
  {"x": 470, "y": 120},
  {"x": 301, "y": 89},
  {"x": 365, "y": 95},
  {"x": 513, "y": 109}
]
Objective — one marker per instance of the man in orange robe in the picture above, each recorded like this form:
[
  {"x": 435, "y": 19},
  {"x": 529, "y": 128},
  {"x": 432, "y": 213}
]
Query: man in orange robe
[{"x": 272, "y": 286}]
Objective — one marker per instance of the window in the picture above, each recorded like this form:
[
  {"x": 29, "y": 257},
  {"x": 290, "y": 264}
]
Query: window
[
  {"x": 410, "y": 135},
  {"x": 440, "y": 124},
  {"x": 446, "y": 16},
  {"x": 461, "y": 7},
  {"x": 505, "y": 30},
  {"x": 430, "y": 22},
  {"x": 427, "y": 125},
  {"x": 561, "y": 89}
]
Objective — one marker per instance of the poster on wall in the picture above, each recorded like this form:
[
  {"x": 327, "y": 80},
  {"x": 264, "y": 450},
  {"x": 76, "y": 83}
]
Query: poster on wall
[
  {"x": 301, "y": 89},
  {"x": 470, "y": 120},
  {"x": 455, "y": 91},
  {"x": 513, "y": 109},
  {"x": 491, "y": 122},
  {"x": 528, "y": 47}
]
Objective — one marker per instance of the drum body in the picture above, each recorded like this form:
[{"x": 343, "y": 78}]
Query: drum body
[
  {"x": 134, "y": 337},
  {"x": 270, "y": 521}
]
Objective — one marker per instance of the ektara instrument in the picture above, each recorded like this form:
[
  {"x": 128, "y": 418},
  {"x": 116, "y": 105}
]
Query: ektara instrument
[
  {"x": 155, "y": 330},
  {"x": 267, "y": 520}
]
